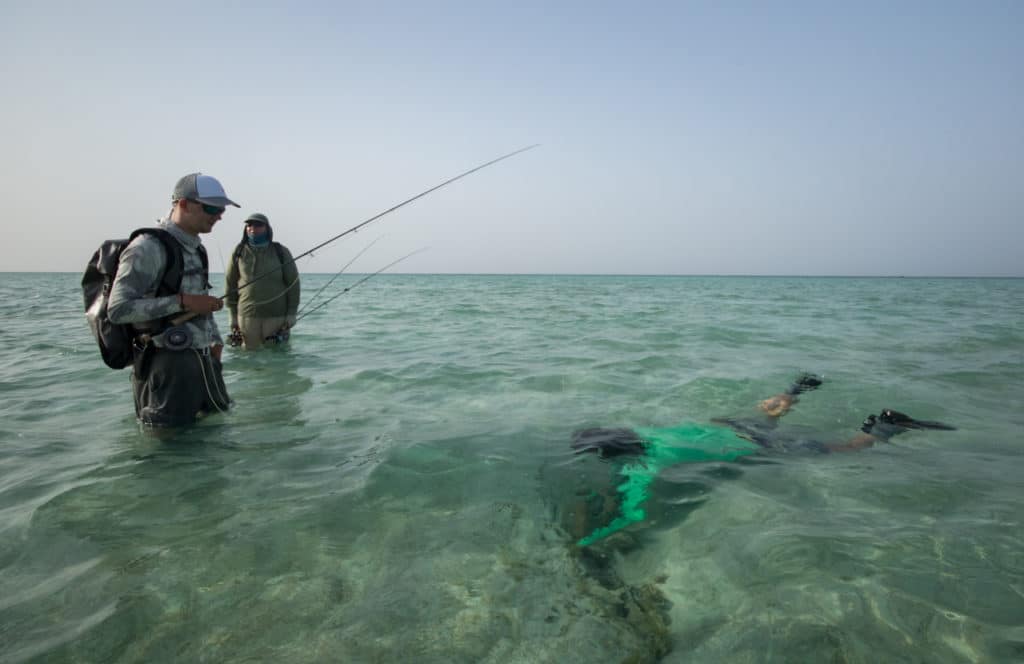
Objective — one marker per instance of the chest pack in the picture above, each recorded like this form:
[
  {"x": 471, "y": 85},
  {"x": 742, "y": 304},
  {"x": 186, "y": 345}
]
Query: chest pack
[{"x": 116, "y": 341}]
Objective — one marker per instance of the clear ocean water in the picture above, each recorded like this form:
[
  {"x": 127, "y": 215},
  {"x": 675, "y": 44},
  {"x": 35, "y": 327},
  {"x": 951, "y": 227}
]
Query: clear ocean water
[{"x": 397, "y": 484}]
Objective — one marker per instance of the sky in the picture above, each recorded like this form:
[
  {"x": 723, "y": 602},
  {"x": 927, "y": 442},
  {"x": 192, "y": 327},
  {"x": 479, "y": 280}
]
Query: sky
[{"x": 754, "y": 138}]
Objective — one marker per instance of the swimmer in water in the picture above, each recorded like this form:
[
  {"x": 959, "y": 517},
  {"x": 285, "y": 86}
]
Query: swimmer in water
[{"x": 726, "y": 439}]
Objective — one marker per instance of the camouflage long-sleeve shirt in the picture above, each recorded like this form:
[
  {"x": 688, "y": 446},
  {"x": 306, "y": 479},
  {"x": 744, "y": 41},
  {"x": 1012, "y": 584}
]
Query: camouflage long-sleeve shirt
[{"x": 142, "y": 263}]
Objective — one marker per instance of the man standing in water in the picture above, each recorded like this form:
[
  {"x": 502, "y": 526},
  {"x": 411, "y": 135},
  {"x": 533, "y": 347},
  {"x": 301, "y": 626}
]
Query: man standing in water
[
  {"x": 657, "y": 448},
  {"x": 176, "y": 374},
  {"x": 265, "y": 311}
]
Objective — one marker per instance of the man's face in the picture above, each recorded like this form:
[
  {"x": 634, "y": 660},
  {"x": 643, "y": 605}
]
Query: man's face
[
  {"x": 255, "y": 229},
  {"x": 199, "y": 217}
]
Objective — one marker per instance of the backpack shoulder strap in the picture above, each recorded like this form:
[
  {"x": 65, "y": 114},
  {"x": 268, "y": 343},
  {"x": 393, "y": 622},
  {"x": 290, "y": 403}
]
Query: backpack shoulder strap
[
  {"x": 281, "y": 258},
  {"x": 174, "y": 271}
]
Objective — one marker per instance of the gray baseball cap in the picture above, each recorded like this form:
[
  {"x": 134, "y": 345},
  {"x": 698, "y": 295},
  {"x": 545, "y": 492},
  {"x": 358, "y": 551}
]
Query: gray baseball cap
[
  {"x": 258, "y": 217},
  {"x": 203, "y": 189}
]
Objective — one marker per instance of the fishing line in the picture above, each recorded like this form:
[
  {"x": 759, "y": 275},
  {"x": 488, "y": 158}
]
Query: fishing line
[
  {"x": 336, "y": 275},
  {"x": 363, "y": 280},
  {"x": 206, "y": 382},
  {"x": 388, "y": 211},
  {"x": 223, "y": 263},
  {"x": 189, "y": 315},
  {"x": 279, "y": 295}
]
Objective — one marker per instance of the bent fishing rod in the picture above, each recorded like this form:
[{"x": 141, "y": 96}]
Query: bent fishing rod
[
  {"x": 348, "y": 288},
  {"x": 189, "y": 315},
  {"x": 336, "y": 275}
]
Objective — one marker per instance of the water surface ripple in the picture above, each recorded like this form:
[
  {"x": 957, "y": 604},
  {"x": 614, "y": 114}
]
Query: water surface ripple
[{"x": 397, "y": 485}]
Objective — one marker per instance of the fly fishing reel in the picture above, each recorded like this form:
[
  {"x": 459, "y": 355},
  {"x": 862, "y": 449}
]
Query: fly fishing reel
[
  {"x": 235, "y": 338},
  {"x": 178, "y": 337}
]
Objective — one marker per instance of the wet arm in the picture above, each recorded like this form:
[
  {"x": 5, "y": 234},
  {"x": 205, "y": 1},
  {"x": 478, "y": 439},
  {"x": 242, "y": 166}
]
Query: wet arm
[
  {"x": 778, "y": 405},
  {"x": 858, "y": 442}
]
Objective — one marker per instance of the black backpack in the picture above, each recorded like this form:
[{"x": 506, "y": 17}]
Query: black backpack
[{"x": 116, "y": 342}]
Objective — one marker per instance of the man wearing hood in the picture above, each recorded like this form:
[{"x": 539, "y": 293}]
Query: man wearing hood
[{"x": 264, "y": 310}]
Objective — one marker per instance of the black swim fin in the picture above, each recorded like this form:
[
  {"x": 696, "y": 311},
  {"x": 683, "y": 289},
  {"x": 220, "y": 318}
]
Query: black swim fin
[
  {"x": 891, "y": 422},
  {"x": 804, "y": 383},
  {"x": 890, "y": 416}
]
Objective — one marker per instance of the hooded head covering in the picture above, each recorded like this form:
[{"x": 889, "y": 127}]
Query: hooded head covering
[{"x": 261, "y": 218}]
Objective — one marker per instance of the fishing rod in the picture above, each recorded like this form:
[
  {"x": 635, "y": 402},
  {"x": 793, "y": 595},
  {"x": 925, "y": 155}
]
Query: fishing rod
[
  {"x": 336, "y": 275},
  {"x": 363, "y": 280},
  {"x": 388, "y": 211},
  {"x": 223, "y": 263},
  {"x": 189, "y": 315}
]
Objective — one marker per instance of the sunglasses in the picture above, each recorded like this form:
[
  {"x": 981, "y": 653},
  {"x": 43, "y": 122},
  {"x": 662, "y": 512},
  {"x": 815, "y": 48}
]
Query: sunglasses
[{"x": 211, "y": 209}]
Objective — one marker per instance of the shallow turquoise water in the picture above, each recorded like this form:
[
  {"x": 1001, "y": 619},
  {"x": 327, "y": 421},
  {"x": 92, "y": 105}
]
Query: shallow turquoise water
[{"x": 398, "y": 486}]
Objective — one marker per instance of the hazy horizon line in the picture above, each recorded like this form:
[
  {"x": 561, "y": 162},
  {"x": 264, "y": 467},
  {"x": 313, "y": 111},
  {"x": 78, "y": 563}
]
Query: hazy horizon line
[{"x": 615, "y": 274}]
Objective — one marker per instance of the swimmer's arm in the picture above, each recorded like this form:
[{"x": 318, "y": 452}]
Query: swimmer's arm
[
  {"x": 858, "y": 442},
  {"x": 778, "y": 405}
]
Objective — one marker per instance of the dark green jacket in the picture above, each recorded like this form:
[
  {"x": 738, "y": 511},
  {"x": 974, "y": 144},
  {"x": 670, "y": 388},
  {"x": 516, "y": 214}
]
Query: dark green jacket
[{"x": 276, "y": 294}]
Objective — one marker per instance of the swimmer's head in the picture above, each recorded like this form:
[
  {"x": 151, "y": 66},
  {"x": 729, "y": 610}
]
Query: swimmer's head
[{"x": 607, "y": 442}]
